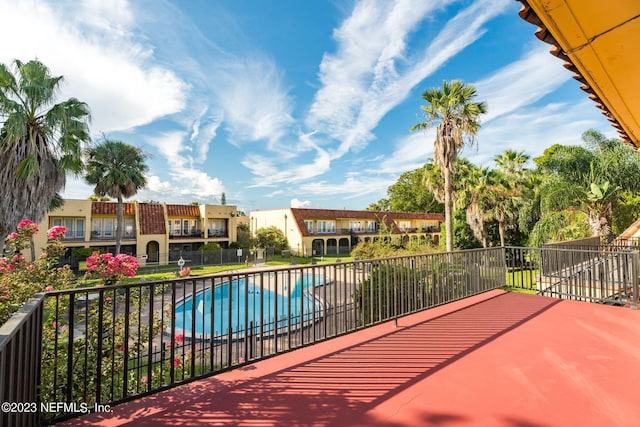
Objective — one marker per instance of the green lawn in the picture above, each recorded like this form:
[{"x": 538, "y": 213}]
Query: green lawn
[{"x": 521, "y": 281}]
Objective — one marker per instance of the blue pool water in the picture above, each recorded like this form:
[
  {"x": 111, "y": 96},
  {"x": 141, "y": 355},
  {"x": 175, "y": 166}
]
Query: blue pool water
[{"x": 250, "y": 305}]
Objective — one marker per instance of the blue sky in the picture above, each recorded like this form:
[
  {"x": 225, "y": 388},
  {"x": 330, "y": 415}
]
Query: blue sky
[{"x": 294, "y": 103}]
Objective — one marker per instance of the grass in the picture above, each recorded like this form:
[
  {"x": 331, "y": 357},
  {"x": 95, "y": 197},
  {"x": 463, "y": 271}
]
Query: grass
[{"x": 522, "y": 281}]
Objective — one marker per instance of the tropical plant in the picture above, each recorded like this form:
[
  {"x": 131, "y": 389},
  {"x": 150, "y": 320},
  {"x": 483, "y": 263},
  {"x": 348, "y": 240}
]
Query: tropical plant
[
  {"x": 512, "y": 162},
  {"x": 20, "y": 279},
  {"x": 40, "y": 141},
  {"x": 457, "y": 117},
  {"x": 271, "y": 237},
  {"x": 111, "y": 268},
  {"x": 116, "y": 169},
  {"x": 588, "y": 179},
  {"x": 410, "y": 194}
]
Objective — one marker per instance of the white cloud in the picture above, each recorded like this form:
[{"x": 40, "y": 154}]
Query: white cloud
[
  {"x": 295, "y": 203},
  {"x": 355, "y": 185},
  {"x": 354, "y": 98},
  {"x": 522, "y": 82},
  {"x": 255, "y": 103},
  {"x": 93, "y": 47}
]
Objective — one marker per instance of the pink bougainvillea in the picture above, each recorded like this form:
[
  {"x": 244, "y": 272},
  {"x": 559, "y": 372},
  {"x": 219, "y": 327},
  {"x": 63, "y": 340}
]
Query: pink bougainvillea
[
  {"x": 111, "y": 268},
  {"x": 179, "y": 339},
  {"x": 27, "y": 225},
  {"x": 56, "y": 232}
]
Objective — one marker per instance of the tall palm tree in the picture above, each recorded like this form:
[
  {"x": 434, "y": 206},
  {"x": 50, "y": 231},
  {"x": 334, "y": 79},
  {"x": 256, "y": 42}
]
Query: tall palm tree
[
  {"x": 506, "y": 200},
  {"x": 117, "y": 170},
  {"x": 40, "y": 141},
  {"x": 477, "y": 199},
  {"x": 457, "y": 118}
]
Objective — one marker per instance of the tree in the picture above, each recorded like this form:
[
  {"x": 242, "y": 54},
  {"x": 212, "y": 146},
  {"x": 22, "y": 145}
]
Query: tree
[
  {"x": 512, "y": 162},
  {"x": 508, "y": 184},
  {"x": 505, "y": 201},
  {"x": 381, "y": 205},
  {"x": 410, "y": 194},
  {"x": 40, "y": 142},
  {"x": 271, "y": 237},
  {"x": 476, "y": 197},
  {"x": 457, "y": 118},
  {"x": 116, "y": 169},
  {"x": 588, "y": 179},
  {"x": 244, "y": 238},
  {"x": 223, "y": 199}
]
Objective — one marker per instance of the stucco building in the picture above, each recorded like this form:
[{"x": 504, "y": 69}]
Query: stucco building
[
  {"x": 333, "y": 231},
  {"x": 156, "y": 233}
]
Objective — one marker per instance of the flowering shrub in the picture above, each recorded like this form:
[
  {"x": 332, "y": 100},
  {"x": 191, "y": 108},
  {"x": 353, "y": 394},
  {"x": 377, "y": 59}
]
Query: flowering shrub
[
  {"x": 20, "y": 279},
  {"x": 27, "y": 226},
  {"x": 111, "y": 268},
  {"x": 185, "y": 272},
  {"x": 56, "y": 232}
]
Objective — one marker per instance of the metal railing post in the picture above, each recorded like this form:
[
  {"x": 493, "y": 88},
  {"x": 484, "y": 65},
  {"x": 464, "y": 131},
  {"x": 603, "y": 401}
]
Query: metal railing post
[{"x": 635, "y": 280}]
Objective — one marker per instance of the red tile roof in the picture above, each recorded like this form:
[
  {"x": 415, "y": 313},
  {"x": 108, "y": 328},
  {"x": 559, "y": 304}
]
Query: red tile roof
[
  {"x": 111, "y": 208},
  {"x": 152, "y": 219},
  {"x": 183, "y": 211}
]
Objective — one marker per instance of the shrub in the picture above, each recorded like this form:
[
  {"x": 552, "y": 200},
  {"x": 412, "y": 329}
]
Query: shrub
[
  {"x": 20, "y": 279},
  {"x": 111, "y": 268}
]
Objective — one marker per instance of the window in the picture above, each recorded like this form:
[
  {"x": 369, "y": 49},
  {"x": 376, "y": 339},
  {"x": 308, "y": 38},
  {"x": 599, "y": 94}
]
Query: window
[
  {"x": 184, "y": 227},
  {"x": 357, "y": 226},
  {"x": 75, "y": 227},
  {"x": 326, "y": 226},
  {"x": 372, "y": 226},
  {"x": 216, "y": 227},
  {"x": 105, "y": 228},
  {"x": 309, "y": 224},
  {"x": 404, "y": 225}
]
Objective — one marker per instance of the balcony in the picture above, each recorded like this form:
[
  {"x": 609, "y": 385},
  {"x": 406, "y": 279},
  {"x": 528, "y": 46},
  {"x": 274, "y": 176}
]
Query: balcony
[
  {"x": 217, "y": 234},
  {"x": 97, "y": 236},
  {"x": 409, "y": 340},
  {"x": 186, "y": 234}
]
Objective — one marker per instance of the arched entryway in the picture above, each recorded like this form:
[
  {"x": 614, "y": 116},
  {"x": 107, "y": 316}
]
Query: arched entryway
[
  {"x": 332, "y": 246},
  {"x": 343, "y": 246},
  {"x": 318, "y": 247},
  {"x": 153, "y": 252}
]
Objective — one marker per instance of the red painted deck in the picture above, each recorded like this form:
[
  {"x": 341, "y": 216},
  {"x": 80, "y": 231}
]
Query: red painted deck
[{"x": 497, "y": 359}]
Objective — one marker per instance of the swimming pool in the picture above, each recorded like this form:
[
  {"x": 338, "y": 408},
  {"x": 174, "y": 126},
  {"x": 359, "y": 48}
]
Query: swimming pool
[{"x": 241, "y": 302}]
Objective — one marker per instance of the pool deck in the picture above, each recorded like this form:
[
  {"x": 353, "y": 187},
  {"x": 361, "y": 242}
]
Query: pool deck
[{"x": 496, "y": 359}]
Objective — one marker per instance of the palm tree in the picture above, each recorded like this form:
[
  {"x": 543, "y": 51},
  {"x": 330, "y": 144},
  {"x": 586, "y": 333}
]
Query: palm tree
[
  {"x": 512, "y": 162},
  {"x": 506, "y": 200},
  {"x": 40, "y": 142},
  {"x": 117, "y": 170},
  {"x": 477, "y": 198},
  {"x": 508, "y": 185},
  {"x": 457, "y": 118}
]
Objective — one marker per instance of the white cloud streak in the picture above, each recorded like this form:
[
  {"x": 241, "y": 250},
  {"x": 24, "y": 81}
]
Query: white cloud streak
[
  {"x": 93, "y": 47},
  {"x": 367, "y": 77}
]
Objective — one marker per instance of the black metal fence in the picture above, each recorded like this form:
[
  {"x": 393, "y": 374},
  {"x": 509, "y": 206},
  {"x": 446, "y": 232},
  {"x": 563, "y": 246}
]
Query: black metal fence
[
  {"x": 110, "y": 344},
  {"x": 20, "y": 355},
  {"x": 603, "y": 275},
  {"x": 105, "y": 345}
]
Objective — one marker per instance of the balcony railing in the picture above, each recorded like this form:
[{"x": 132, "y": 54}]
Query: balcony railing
[
  {"x": 96, "y": 236},
  {"x": 186, "y": 235},
  {"x": 107, "y": 345},
  {"x": 217, "y": 233}
]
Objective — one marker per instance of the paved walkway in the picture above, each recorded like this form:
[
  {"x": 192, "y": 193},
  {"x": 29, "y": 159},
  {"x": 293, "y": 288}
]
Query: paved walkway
[{"x": 497, "y": 359}]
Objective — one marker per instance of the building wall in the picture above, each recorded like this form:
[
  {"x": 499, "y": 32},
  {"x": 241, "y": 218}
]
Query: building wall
[
  {"x": 83, "y": 209},
  {"x": 303, "y": 243},
  {"x": 282, "y": 219}
]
